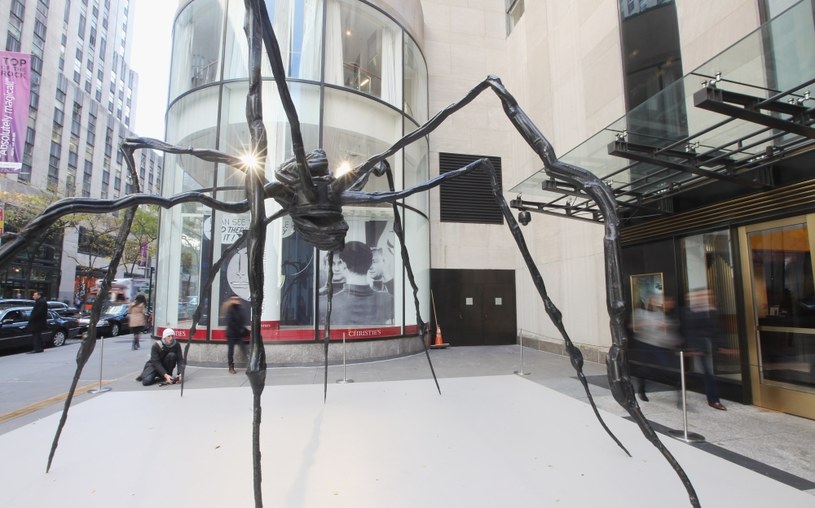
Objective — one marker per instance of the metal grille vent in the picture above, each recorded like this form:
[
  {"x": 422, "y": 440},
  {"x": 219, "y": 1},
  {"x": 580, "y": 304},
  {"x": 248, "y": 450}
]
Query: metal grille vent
[{"x": 468, "y": 198}]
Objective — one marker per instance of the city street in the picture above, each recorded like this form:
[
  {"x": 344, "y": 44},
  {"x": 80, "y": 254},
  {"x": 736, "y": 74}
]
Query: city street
[{"x": 27, "y": 380}]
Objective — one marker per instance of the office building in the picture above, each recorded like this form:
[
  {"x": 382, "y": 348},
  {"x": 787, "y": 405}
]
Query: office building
[
  {"x": 82, "y": 102},
  {"x": 697, "y": 115}
]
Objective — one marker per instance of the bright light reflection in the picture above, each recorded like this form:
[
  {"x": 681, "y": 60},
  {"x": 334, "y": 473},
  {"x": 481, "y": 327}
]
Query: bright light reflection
[
  {"x": 343, "y": 168},
  {"x": 250, "y": 160}
]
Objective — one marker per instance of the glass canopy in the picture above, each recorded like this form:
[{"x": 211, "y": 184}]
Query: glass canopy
[{"x": 729, "y": 121}]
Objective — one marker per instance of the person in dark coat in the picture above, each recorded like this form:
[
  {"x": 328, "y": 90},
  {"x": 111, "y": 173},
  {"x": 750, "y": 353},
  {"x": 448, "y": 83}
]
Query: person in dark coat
[
  {"x": 165, "y": 355},
  {"x": 232, "y": 313},
  {"x": 700, "y": 329},
  {"x": 38, "y": 322}
]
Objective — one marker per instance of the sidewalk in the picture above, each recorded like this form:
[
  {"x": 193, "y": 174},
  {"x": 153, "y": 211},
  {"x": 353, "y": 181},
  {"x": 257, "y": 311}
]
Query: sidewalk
[{"x": 775, "y": 448}]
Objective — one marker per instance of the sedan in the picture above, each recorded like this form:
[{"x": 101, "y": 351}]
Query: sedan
[
  {"x": 14, "y": 332},
  {"x": 113, "y": 321}
]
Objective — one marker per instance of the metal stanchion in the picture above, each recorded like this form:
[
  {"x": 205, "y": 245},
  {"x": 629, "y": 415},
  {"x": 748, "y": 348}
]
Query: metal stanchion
[
  {"x": 521, "y": 343},
  {"x": 684, "y": 435},
  {"x": 101, "y": 389},
  {"x": 344, "y": 379}
]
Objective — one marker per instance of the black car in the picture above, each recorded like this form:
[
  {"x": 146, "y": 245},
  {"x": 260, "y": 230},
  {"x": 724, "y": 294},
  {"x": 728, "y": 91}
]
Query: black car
[
  {"x": 60, "y": 308},
  {"x": 113, "y": 321},
  {"x": 63, "y": 309},
  {"x": 14, "y": 324}
]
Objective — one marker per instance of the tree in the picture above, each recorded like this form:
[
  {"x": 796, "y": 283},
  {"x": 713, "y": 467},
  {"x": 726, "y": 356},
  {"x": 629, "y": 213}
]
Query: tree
[
  {"x": 22, "y": 208},
  {"x": 144, "y": 231}
]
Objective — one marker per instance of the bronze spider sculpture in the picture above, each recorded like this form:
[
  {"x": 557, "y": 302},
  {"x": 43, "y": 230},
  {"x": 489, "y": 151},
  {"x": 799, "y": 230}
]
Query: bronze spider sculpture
[{"x": 313, "y": 198}]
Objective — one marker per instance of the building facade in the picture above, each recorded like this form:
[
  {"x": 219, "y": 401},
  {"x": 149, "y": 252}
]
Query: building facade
[
  {"x": 357, "y": 97},
  {"x": 613, "y": 84},
  {"x": 706, "y": 141},
  {"x": 83, "y": 95}
]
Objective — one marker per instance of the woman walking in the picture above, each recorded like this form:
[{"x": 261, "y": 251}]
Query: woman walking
[{"x": 137, "y": 318}]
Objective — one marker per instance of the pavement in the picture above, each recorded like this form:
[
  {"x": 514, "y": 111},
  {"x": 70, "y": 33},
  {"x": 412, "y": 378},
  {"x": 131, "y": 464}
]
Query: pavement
[{"x": 385, "y": 437}]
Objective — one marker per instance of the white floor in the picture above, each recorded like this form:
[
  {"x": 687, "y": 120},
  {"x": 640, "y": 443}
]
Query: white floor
[{"x": 496, "y": 441}]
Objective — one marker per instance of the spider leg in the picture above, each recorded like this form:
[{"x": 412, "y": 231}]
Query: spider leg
[
  {"x": 400, "y": 233},
  {"x": 616, "y": 359},
  {"x": 89, "y": 341},
  {"x": 327, "y": 326},
  {"x": 554, "y": 314}
]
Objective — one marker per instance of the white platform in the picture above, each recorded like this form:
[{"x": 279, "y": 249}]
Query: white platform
[{"x": 486, "y": 442}]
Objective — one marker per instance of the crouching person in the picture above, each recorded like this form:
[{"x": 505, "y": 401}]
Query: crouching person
[{"x": 165, "y": 355}]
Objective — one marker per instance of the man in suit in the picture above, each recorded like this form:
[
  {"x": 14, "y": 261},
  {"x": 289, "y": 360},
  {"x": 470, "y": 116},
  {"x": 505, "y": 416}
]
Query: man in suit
[{"x": 38, "y": 322}]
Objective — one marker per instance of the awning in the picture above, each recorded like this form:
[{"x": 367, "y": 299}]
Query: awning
[{"x": 743, "y": 121}]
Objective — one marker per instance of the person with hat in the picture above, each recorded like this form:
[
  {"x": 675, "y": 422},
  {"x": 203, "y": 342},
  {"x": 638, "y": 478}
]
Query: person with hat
[{"x": 165, "y": 355}]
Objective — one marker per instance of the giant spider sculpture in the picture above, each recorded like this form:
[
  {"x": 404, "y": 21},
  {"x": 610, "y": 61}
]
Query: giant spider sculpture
[{"x": 313, "y": 198}]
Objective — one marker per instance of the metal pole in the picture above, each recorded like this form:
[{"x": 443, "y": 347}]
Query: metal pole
[
  {"x": 344, "y": 379},
  {"x": 684, "y": 435},
  {"x": 101, "y": 389},
  {"x": 521, "y": 343}
]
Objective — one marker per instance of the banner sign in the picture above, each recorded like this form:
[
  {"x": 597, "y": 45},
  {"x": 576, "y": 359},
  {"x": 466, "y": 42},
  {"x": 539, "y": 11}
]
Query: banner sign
[
  {"x": 142, "y": 259},
  {"x": 15, "y": 88}
]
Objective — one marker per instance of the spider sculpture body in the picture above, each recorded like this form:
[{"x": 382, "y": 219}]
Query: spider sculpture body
[{"x": 307, "y": 192}]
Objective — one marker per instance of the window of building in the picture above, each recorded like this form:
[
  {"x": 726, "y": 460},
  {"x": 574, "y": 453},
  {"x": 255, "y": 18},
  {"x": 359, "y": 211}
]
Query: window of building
[
  {"x": 76, "y": 119},
  {"x": 514, "y": 10},
  {"x": 12, "y": 42},
  {"x": 86, "y": 180},
  {"x": 364, "y": 50},
  {"x": 81, "y": 28},
  {"x": 468, "y": 198}
]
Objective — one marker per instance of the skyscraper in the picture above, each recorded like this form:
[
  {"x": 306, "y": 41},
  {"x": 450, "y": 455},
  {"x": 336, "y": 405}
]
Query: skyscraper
[{"x": 82, "y": 100}]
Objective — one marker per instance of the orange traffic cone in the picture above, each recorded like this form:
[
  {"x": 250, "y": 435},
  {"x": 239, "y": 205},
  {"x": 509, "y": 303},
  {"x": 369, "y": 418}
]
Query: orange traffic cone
[{"x": 439, "y": 343}]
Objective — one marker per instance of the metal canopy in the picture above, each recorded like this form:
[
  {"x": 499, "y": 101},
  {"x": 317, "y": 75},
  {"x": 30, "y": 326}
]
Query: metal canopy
[{"x": 734, "y": 122}]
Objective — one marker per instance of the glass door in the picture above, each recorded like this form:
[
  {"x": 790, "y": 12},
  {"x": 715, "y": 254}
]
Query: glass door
[{"x": 780, "y": 312}]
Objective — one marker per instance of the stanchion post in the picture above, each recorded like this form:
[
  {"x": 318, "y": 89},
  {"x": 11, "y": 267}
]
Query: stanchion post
[
  {"x": 521, "y": 372},
  {"x": 101, "y": 389},
  {"x": 684, "y": 435},
  {"x": 344, "y": 379}
]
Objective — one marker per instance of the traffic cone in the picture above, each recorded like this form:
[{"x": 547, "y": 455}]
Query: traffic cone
[{"x": 439, "y": 343}]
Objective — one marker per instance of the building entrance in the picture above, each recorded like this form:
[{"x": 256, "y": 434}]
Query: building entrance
[
  {"x": 475, "y": 307},
  {"x": 780, "y": 313}
]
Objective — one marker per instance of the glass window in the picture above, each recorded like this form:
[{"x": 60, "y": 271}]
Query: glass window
[
  {"x": 196, "y": 46},
  {"x": 363, "y": 50},
  {"x": 708, "y": 283},
  {"x": 298, "y": 28},
  {"x": 416, "y": 103},
  {"x": 515, "y": 9}
]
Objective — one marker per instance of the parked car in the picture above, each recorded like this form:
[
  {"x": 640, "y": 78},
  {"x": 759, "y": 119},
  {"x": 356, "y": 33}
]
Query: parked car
[
  {"x": 60, "y": 308},
  {"x": 113, "y": 321},
  {"x": 63, "y": 309},
  {"x": 14, "y": 324},
  {"x": 5, "y": 303}
]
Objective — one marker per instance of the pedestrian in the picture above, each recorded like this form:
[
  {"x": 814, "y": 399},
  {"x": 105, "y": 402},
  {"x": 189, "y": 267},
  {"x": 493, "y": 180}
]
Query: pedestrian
[
  {"x": 656, "y": 337},
  {"x": 700, "y": 329},
  {"x": 165, "y": 355},
  {"x": 236, "y": 331},
  {"x": 37, "y": 322},
  {"x": 137, "y": 318}
]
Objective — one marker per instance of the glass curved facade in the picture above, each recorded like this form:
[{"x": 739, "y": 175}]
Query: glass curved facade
[{"x": 359, "y": 83}]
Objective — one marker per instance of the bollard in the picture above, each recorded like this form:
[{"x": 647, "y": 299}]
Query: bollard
[
  {"x": 344, "y": 379},
  {"x": 101, "y": 389},
  {"x": 521, "y": 343},
  {"x": 684, "y": 435}
]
